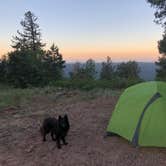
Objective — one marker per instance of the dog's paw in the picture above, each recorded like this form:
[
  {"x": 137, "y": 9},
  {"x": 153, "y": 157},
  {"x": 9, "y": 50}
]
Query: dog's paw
[
  {"x": 59, "y": 147},
  {"x": 54, "y": 139},
  {"x": 65, "y": 143}
]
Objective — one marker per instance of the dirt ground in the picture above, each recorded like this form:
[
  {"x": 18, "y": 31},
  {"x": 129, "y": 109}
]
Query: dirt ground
[{"x": 21, "y": 143}]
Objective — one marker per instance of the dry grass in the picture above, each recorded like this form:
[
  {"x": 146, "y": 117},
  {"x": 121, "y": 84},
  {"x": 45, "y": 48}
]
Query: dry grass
[{"x": 10, "y": 97}]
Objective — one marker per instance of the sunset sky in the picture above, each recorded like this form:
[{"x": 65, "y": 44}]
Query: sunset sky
[{"x": 82, "y": 29}]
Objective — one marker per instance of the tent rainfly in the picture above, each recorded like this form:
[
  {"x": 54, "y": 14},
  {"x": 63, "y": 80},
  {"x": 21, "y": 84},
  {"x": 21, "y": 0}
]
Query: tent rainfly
[{"x": 140, "y": 115}]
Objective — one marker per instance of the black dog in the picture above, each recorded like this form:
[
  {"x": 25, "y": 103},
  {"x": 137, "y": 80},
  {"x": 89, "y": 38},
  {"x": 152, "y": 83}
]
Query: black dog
[
  {"x": 49, "y": 124},
  {"x": 63, "y": 128},
  {"x": 58, "y": 129}
]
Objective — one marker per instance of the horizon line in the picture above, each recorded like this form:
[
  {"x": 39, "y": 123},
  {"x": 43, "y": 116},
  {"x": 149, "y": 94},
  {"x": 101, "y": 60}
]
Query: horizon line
[{"x": 112, "y": 61}]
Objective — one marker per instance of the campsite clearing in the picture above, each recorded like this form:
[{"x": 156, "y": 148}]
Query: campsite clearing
[{"x": 21, "y": 143}]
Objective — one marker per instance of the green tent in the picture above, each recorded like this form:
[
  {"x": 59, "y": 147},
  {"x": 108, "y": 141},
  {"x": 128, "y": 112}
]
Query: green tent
[{"x": 140, "y": 115}]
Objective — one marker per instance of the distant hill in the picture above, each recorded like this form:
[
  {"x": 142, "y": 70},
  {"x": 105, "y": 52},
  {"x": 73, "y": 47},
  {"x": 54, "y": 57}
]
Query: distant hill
[{"x": 147, "y": 70}]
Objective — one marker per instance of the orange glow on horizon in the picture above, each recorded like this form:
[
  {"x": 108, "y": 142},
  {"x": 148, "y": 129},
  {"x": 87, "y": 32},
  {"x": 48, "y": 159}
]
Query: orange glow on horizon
[
  {"x": 4, "y": 48},
  {"x": 115, "y": 56},
  {"x": 143, "y": 52},
  {"x": 117, "y": 53}
]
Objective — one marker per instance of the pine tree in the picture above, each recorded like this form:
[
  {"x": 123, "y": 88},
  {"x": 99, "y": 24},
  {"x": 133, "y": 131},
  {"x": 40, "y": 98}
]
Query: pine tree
[
  {"x": 107, "y": 70},
  {"x": 160, "y": 18},
  {"x": 76, "y": 72},
  {"x": 30, "y": 38},
  {"x": 160, "y": 13},
  {"x": 90, "y": 69},
  {"x": 3, "y": 68},
  {"x": 128, "y": 70},
  {"x": 85, "y": 71},
  {"x": 55, "y": 63}
]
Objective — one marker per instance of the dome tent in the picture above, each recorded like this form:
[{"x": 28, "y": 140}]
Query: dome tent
[{"x": 140, "y": 115}]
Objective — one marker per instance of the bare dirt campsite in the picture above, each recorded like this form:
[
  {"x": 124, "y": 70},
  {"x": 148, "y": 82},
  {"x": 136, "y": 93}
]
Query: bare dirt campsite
[{"x": 89, "y": 112}]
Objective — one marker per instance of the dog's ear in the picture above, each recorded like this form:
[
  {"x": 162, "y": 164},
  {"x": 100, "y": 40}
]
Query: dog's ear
[
  {"x": 59, "y": 118},
  {"x": 66, "y": 120},
  {"x": 65, "y": 116}
]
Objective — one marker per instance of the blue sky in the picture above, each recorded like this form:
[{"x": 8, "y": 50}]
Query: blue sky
[{"x": 86, "y": 29}]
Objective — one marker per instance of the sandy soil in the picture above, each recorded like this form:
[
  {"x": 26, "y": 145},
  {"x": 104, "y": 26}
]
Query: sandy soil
[{"x": 21, "y": 143}]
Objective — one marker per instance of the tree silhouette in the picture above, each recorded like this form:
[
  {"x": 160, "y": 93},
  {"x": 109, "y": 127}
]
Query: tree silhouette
[
  {"x": 55, "y": 63},
  {"x": 76, "y": 72},
  {"x": 84, "y": 71},
  {"x": 24, "y": 69},
  {"x": 90, "y": 69},
  {"x": 30, "y": 38},
  {"x": 107, "y": 70},
  {"x": 161, "y": 69},
  {"x": 29, "y": 65},
  {"x": 3, "y": 68},
  {"x": 128, "y": 70},
  {"x": 160, "y": 14},
  {"x": 160, "y": 18}
]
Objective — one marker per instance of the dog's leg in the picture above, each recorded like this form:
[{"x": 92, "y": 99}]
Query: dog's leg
[
  {"x": 64, "y": 141},
  {"x": 43, "y": 133},
  {"x": 44, "y": 137},
  {"x": 53, "y": 136},
  {"x": 58, "y": 143}
]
